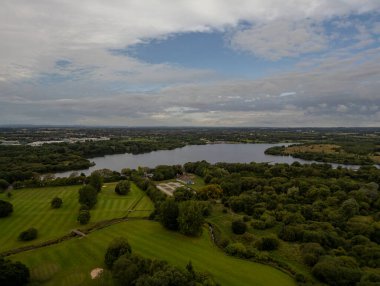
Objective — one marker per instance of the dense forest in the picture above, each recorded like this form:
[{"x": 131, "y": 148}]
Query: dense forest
[
  {"x": 326, "y": 219},
  {"x": 22, "y": 161}
]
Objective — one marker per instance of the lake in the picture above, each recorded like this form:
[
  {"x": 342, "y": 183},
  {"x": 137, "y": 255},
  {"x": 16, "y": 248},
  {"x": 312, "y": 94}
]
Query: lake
[{"x": 212, "y": 153}]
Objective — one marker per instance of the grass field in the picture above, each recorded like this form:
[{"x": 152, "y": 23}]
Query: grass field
[
  {"x": 313, "y": 148},
  {"x": 70, "y": 262},
  {"x": 32, "y": 209}
]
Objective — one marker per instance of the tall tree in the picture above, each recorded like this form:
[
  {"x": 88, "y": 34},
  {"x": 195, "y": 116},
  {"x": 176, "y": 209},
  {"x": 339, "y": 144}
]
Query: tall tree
[
  {"x": 96, "y": 180},
  {"x": 190, "y": 218},
  {"x": 169, "y": 214},
  {"x": 88, "y": 196}
]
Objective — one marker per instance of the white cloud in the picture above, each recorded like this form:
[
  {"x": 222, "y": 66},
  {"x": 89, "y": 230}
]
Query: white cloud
[
  {"x": 36, "y": 33},
  {"x": 100, "y": 88},
  {"x": 278, "y": 39}
]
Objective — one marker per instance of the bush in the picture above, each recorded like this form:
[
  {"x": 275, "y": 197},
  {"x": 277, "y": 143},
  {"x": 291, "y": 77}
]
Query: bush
[
  {"x": 3, "y": 185},
  {"x": 56, "y": 203},
  {"x": 236, "y": 249},
  {"x": 17, "y": 185},
  {"x": 267, "y": 243},
  {"x": 291, "y": 233},
  {"x": 300, "y": 278},
  {"x": 258, "y": 224},
  {"x": 311, "y": 252},
  {"x": 117, "y": 248},
  {"x": 123, "y": 187},
  {"x": 337, "y": 271},
  {"x": 370, "y": 279},
  {"x": 84, "y": 217},
  {"x": 28, "y": 234},
  {"x": 13, "y": 273},
  {"x": 6, "y": 208},
  {"x": 238, "y": 227},
  {"x": 84, "y": 208}
]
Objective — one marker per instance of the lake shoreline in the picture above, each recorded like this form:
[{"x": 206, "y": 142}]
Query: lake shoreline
[{"x": 212, "y": 153}]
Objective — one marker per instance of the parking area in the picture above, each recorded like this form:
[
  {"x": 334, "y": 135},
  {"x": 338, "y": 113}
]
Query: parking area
[{"x": 169, "y": 188}]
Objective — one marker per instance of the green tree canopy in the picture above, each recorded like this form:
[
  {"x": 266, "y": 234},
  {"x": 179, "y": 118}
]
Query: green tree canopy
[
  {"x": 123, "y": 187},
  {"x": 6, "y": 208},
  {"x": 190, "y": 218},
  {"x": 118, "y": 247},
  {"x": 88, "y": 196},
  {"x": 169, "y": 212}
]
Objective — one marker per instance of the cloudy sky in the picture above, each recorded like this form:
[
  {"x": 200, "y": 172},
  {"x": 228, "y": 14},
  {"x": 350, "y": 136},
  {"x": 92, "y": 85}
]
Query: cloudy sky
[{"x": 190, "y": 62}]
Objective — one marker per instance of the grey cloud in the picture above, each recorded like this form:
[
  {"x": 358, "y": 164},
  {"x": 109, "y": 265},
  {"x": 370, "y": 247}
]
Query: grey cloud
[
  {"x": 56, "y": 67},
  {"x": 278, "y": 39}
]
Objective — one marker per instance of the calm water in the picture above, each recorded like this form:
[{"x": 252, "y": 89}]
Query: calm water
[{"x": 213, "y": 153}]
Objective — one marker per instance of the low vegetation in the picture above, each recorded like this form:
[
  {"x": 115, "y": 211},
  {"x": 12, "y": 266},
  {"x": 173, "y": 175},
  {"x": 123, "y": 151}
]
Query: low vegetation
[
  {"x": 56, "y": 203},
  {"x": 13, "y": 273},
  {"x": 332, "y": 153},
  {"x": 29, "y": 234},
  {"x": 6, "y": 208}
]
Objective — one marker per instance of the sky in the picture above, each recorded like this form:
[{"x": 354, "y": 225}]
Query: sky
[{"x": 254, "y": 63}]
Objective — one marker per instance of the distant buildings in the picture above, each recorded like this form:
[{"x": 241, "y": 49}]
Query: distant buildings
[
  {"x": 68, "y": 140},
  {"x": 9, "y": 143}
]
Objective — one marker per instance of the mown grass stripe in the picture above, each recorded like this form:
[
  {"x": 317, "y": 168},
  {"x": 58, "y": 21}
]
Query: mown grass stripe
[
  {"x": 152, "y": 240},
  {"x": 32, "y": 209}
]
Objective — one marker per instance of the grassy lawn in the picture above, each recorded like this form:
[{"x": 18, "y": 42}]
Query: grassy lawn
[
  {"x": 70, "y": 262},
  {"x": 31, "y": 208},
  {"x": 313, "y": 148}
]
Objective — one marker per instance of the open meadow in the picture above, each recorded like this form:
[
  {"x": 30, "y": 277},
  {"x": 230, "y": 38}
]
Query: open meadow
[
  {"x": 31, "y": 208},
  {"x": 71, "y": 262}
]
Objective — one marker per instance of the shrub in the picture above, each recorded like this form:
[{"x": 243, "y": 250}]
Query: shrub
[
  {"x": 236, "y": 249},
  {"x": 238, "y": 227},
  {"x": 84, "y": 217},
  {"x": 123, "y": 187},
  {"x": 117, "y": 248},
  {"x": 312, "y": 236},
  {"x": 28, "y": 234},
  {"x": 370, "y": 279},
  {"x": 56, "y": 203},
  {"x": 84, "y": 208},
  {"x": 258, "y": 224},
  {"x": 13, "y": 273},
  {"x": 300, "y": 278},
  {"x": 17, "y": 185},
  {"x": 267, "y": 243},
  {"x": 3, "y": 185},
  {"x": 291, "y": 233},
  {"x": 339, "y": 271},
  {"x": 6, "y": 208}
]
